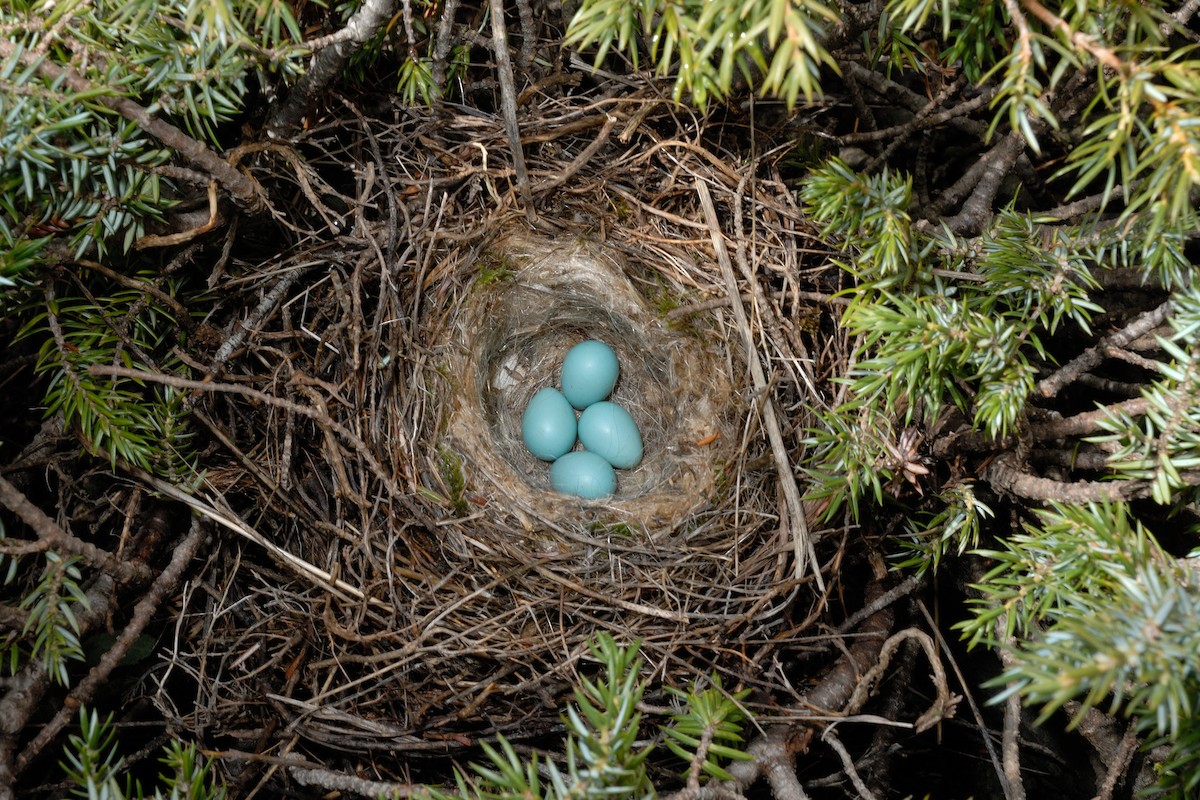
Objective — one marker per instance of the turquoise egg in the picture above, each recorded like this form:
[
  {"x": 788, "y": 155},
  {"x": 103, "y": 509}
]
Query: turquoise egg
[
  {"x": 589, "y": 373},
  {"x": 583, "y": 474},
  {"x": 548, "y": 426},
  {"x": 607, "y": 430}
]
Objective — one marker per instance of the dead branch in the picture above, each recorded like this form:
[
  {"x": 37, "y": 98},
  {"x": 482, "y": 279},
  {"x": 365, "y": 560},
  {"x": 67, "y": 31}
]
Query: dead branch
[
  {"x": 56, "y": 538},
  {"x": 773, "y": 750},
  {"x": 983, "y": 179},
  {"x": 508, "y": 102},
  {"x": 26, "y": 690},
  {"x": 943, "y": 705},
  {"x": 962, "y": 681},
  {"x": 830, "y": 738},
  {"x": 337, "y": 782},
  {"x": 1089, "y": 359},
  {"x": 83, "y": 692}
]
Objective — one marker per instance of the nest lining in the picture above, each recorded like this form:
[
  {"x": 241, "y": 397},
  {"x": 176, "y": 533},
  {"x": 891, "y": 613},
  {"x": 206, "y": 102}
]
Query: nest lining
[{"x": 512, "y": 337}]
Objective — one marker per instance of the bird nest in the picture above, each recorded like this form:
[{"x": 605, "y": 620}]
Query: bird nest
[
  {"x": 399, "y": 577},
  {"x": 545, "y": 296}
]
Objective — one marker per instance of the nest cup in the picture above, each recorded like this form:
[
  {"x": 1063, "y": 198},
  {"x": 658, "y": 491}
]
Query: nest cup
[{"x": 543, "y": 297}]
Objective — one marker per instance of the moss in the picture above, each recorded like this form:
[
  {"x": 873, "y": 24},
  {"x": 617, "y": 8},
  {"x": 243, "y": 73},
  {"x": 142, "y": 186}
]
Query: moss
[
  {"x": 620, "y": 530},
  {"x": 492, "y": 269},
  {"x": 450, "y": 465}
]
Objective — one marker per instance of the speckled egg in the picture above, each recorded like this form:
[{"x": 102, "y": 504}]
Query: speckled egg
[
  {"x": 583, "y": 474},
  {"x": 589, "y": 373},
  {"x": 607, "y": 430},
  {"x": 548, "y": 426}
]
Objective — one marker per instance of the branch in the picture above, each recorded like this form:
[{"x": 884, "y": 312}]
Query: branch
[
  {"x": 1010, "y": 747},
  {"x": 1088, "y": 421},
  {"x": 943, "y": 705},
  {"x": 830, "y": 738},
  {"x": 1003, "y": 473},
  {"x": 56, "y": 538},
  {"x": 508, "y": 101},
  {"x": 1082, "y": 41},
  {"x": 1091, "y": 358},
  {"x": 143, "y": 612},
  {"x": 990, "y": 171},
  {"x": 336, "y": 782},
  {"x": 771, "y": 750},
  {"x": 327, "y": 65},
  {"x": 925, "y": 118},
  {"x": 988, "y": 745},
  {"x": 443, "y": 43},
  {"x": 240, "y": 187},
  {"x": 26, "y": 690},
  {"x": 1180, "y": 20},
  {"x": 969, "y": 440}
]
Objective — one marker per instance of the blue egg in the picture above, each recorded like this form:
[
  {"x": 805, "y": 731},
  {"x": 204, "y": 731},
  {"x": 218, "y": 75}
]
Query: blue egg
[
  {"x": 589, "y": 373},
  {"x": 607, "y": 430},
  {"x": 548, "y": 426},
  {"x": 583, "y": 474}
]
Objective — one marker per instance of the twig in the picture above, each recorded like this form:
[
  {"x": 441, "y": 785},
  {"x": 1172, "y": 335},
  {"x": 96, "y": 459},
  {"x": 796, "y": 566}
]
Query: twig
[
  {"x": 580, "y": 161},
  {"x": 925, "y": 118},
  {"x": 967, "y": 440},
  {"x": 1081, "y": 40},
  {"x": 698, "y": 759},
  {"x": 1010, "y": 753},
  {"x": 1088, "y": 421},
  {"x": 443, "y": 43},
  {"x": 943, "y": 705},
  {"x": 508, "y": 102},
  {"x": 903, "y": 589},
  {"x": 802, "y": 545},
  {"x": 907, "y": 98},
  {"x": 1086, "y": 204},
  {"x": 360, "y": 447},
  {"x": 779, "y": 765},
  {"x": 529, "y": 34},
  {"x": 245, "y": 326},
  {"x": 82, "y": 694},
  {"x": 1181, "y": 18},
  {"x": 230, "y": 521},
  {"x": 1091, "y": 358},
  {"x": 182, "y": 317},
  {"x": 983, "y": 731},
  {"x": 183, "y": 237},
  {"x": 1112, "y": 747},
  {"x": 830, "y": 692},
  {"x": 58, "y": 539},
  {"x": 1118, "y": 765},
  {"x": 830, "y": 738},
  {"x": 240, "y": 187}
]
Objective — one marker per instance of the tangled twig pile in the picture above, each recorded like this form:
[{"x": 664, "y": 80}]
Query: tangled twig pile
[{"x": 430, "y": 588}]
